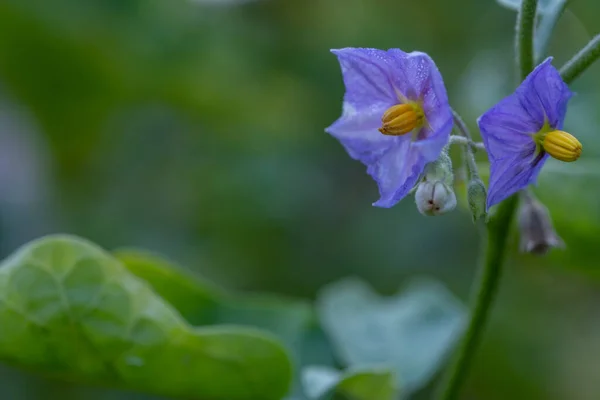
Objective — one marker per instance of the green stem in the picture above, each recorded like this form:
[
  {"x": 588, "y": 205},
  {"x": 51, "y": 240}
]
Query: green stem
[
  {"x": 524, "y": 37},
  {"x": 497, "y": 238},
  {"x": 489, "y": 279},
  {"x": 468, "y": 153},
  {"x": 581, "y": 61},
  {"x": 463, "y": 141}
]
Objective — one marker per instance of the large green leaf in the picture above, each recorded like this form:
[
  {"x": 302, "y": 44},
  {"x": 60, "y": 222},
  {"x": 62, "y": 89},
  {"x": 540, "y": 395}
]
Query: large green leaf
[
  {"x": 195, "y": 299},
  {"x": 293, "y": 321},
  {"x": 412, "y": 331},
  {"x": 324, "y": 383},
  {"x": 203, "y": 304},
  {"x": 69, "y": 309}
]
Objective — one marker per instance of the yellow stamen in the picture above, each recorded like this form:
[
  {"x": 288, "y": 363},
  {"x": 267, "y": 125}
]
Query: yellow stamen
[
  {"x": 562, "y": 145},
  {"x": 401, "y": 119}
]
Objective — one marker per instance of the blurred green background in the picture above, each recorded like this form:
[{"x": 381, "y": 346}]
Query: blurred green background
[{"x": 195, "y": 129}]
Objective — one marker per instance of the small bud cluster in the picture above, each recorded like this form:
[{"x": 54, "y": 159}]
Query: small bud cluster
[
  {"x": 435, "y": 194},
  {"x": 476, "y": 196}
]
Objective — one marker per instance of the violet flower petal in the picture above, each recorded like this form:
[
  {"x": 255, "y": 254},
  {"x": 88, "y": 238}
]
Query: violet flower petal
[
  {"x": 396, "y": 173},
  {"x": 376, "y": 80},
  {"x": 507, "y": 130}
]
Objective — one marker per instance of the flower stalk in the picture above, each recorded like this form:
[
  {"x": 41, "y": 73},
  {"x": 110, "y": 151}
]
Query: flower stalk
[
  {"x": 463, "y": 141},
  {"x": 524, "y": 37},
  {"x": 469, "y": 153},
  {"x": 476, "y": 191},
  {"x": 497, "y": 237},
  {"x": 581, "y": 61},
  {"x": 485, "y": 292}
]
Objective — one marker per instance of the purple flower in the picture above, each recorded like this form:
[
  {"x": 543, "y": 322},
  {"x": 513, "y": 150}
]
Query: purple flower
[
  {"x": 523, "y": 129},
  {"x": 395, "y": 118}
]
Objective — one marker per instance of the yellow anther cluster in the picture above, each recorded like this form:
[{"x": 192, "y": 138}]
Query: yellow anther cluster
[
  {"x": 401, "y": 119},
  {"x": 562, "y": 145}
]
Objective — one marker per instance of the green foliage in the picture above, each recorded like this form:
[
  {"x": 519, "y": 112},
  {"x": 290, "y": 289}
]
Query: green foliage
[
  {"x": 196, "y": 300},
  {"x": 197, "y": 132},
  {"x": 202, "y": 303},
  {"x": 73, "y": 311},
  {"x": 324, "y": 383},
  {"x": 292, "y": 321},
  {"x": 411, "y": 332}
]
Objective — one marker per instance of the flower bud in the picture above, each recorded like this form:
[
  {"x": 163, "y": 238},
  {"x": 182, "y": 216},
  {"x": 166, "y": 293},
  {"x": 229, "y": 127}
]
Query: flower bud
[
  {"x": 401, "y": 119},
  {"x": 440, "y": 170},
  {"x": 434, "y": 198},
  {"x": 562, "y": 145},
  {"x": 535, "y": 225},
  {"x": 477, "y": 195}
]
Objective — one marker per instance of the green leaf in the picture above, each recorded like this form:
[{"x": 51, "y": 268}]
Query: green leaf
[
  {"x": 71, "y": 310},
  {"x": 411, "y": 331},
  {"x": 292, "y": 321},
  {"x": 286, "y": 318},
  {"x": 324, "y": 383},
  {"x": 319, "y": 381},
  {"x": 201, "y": 303},
  {"x": 196, "y": 300}
]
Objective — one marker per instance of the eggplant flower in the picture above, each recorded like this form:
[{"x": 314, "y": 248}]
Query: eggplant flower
[
  {"x": 396, "y": 118},
  {"x": 522, "y": 130}
]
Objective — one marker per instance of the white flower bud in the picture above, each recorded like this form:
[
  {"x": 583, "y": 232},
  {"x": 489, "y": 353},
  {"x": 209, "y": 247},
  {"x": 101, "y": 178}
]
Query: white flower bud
[{"x": 434, "y": 198}]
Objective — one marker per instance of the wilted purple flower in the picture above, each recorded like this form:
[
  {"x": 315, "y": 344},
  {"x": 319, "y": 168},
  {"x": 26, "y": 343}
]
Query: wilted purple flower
[
  {"x": 535, "y": 226},
  {"x": 390, "y": 94},
  {"x": 523, "y": 129}
]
